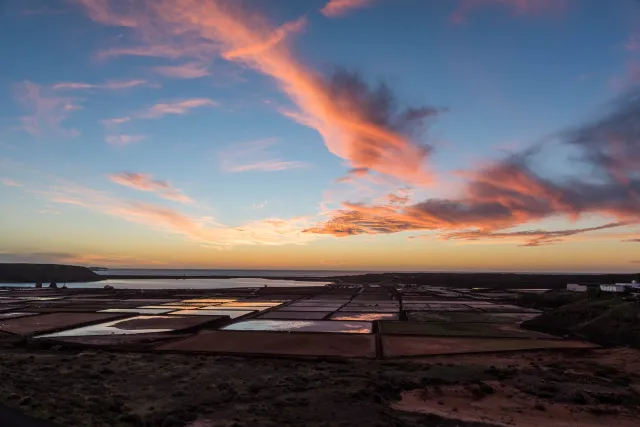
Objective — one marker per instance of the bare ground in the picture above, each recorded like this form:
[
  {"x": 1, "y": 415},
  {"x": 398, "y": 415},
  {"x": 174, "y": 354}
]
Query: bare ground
[{"x": 80, "y": 388}]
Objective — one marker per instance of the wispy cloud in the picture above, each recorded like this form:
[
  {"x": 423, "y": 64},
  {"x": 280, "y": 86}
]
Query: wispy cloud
[
  {"x": 145, "y": 182},
  {"x": 336, "y": 8},
  {"x": 188, "y": 70},
  {"x": 529, "y": 238},
  {"x": 254, "y": 156},
  {"x": 517, "y": 7},
  {"x": 47, "y": 111},
  {"x": 275, "y": 37},
  {"x": 122, "y": 140},
  {"x": 175, "y": 107},
  {"x": 202, "y": 230},
  {"x": 108, "y": 85},
  {"x": 10, "y": 182},
  {"x": 83, "y": 258},
  {"x": 115, "y": 121},
  {"x": 358, "y": 122}
]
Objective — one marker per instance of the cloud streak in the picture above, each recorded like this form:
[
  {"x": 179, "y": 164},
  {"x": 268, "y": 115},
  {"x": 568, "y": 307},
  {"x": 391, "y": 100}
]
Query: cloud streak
[
  {"x": 10, "y": 182},
  {"x": 254, "y": 156},
  {"x": 47, "y": 111},
  {"x": 358, "y": 123},
  {"x": 530, "y": 238},
  {"x": 109, "y": 85},
  {"x": 338, "y": 8},
  {"x": 145, "y": 182},
  {"x": 175, "y": 108},
  {"x": 188, "y": 70},
  {"x": 123, "y": 140}
]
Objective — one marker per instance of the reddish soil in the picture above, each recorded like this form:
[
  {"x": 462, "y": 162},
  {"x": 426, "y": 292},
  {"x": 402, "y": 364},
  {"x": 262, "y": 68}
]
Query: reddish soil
[
  {"x": 508, "y": 406},
  {"x": 284, "y": 343},
  {"x": 398, "y": 346}
]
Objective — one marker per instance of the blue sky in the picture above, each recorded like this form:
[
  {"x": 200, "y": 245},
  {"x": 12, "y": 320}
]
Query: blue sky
[{"x": 234, "y": 139}]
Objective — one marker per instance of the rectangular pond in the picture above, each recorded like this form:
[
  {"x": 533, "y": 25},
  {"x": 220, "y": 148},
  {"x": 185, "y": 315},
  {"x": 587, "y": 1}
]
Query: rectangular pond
[
  {"x": 231, "y": 313},
  {"x": 335, "y": 326}
]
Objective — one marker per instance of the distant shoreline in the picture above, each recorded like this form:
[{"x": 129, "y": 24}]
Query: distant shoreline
[{"x": 32, "y": 273}]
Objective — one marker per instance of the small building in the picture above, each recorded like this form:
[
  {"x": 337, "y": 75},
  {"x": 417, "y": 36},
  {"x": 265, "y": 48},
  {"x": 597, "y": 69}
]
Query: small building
[
  {"x": 618, "y": 288},
  {"x": 576, "y": 288}
]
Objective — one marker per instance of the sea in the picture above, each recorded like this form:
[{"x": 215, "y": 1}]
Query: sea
[
  {"x": 220, "y": 272},
  {"x": 250, "y": 279}
]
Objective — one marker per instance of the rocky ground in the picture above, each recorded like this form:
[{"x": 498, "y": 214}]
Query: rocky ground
[
  {"x": 80, "y": 388},
  {"x": 605, "y": 321}
]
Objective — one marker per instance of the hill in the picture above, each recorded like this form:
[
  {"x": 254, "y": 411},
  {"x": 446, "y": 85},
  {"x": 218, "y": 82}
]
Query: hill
[
  {"x": 605, "y": 321},
  {"x": 32, "y": 273}
]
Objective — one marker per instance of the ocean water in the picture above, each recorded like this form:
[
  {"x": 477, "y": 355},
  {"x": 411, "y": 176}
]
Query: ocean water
[
  {"x": 216, "y": 272},
  {"x": 180, "y": 283}
]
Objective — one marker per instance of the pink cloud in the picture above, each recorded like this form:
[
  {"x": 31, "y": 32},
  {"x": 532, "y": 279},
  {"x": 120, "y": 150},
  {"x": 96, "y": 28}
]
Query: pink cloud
[
  {"x": 254, "y": 156},
  {"x": 47, "y": 111},
  {"x": 123, "y": 140},
  {"x": 145, "y": 182},
  {"x": 10, "y": 182},
  {"x": 336, "y": 8},
  {"x": 176, "y": 107},
  {"x": 188, "y": 70},
  {"x": 274, "y": 38},
  {"x": 517, "y": 7},
  {"x": 348, "y": 113}
]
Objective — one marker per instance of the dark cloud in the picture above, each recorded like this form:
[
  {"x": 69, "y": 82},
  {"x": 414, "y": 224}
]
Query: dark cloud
[
  {"x": 511, "y": 193},
  {"x": 530, "y": 237}
]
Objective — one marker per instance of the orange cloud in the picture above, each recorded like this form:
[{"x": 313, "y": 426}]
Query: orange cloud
[
  {"x": 177, "y": 107},
  {"x": 47, "y": 111},
  {"x": 123, "y": 140},
  {"x": 188, "y": 70},
  {"x": 109, "y": 85},
  {"x": 202, "y": 230},
  {"x": 254, "y": 156},
  {"x": 518, "y": 7},
  {"x": 145, "y": 182},
  {"x": 277, "y": 36},
  {"x": 336, "y": 8},
  {"x": 353, "y": 119}
]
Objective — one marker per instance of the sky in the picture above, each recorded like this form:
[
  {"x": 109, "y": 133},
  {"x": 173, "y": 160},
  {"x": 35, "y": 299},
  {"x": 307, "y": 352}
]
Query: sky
[{"x": 406, "y": 135}]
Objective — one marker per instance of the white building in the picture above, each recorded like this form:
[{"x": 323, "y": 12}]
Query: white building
[{"x": 618, "y": 287}]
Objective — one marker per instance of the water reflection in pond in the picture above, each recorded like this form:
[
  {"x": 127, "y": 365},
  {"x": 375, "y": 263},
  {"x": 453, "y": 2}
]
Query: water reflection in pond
[
  {"x": 364, "y": 316},
  {"x": 137, "y": 310},
  {"x": 231, "y": 313},
  {"x": 118, "y": 327},
  {"x": 301, "y": 326}
]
